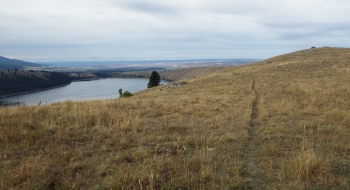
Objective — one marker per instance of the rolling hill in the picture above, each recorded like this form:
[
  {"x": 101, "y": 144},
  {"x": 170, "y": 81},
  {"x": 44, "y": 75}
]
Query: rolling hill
[
  {"x": 6, "y": 63},
  {"x": 281, "y": 123},
  {"x": 174, "y": 75}
]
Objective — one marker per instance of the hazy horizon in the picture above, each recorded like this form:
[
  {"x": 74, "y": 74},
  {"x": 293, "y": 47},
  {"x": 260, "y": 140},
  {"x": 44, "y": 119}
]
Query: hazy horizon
[{"x": 146, "y": 60}]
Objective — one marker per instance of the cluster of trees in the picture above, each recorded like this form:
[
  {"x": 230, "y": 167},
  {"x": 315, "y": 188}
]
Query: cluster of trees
[{"x": 18, "y": 81}]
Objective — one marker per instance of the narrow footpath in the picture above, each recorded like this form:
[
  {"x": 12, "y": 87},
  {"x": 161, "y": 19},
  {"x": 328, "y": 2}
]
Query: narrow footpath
[{"x": 251, "y": 150}]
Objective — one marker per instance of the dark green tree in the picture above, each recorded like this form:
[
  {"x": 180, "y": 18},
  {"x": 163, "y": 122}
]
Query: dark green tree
[
  {"x": 120, "y": 92},
  {"x": 154, "y": 80}
]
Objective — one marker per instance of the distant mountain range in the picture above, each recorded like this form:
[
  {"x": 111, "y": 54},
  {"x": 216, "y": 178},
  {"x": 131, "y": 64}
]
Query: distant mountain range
[{"x": 6, "y": 63}]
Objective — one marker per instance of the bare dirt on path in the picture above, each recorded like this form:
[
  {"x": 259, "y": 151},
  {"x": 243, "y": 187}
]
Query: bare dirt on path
[{"x": 251, "y": 150}]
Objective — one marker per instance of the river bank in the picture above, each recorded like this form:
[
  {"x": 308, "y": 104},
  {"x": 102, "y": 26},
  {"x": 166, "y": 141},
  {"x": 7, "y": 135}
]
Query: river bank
[
  {"x": 81, "y": 91},
  {"x": 33, "y": 91},
  {"x": 3, "y": 104},
  {"x": 130, "y": 76},
  {"x": 58, "y": 86},
  {"x": 50, "y": 88},
  {"x": 88, "y": 79}
]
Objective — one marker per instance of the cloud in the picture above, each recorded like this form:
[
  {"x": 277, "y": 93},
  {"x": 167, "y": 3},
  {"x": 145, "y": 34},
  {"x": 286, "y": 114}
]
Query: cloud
[
  {"x": 150, "y": 8},
  {"x": 152, "y": 29}
]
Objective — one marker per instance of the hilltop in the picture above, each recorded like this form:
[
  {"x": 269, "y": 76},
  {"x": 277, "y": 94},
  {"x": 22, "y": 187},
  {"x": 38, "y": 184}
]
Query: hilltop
[
  {"x": 6, "y": 63},
  {"x": 281, "y": 123}
]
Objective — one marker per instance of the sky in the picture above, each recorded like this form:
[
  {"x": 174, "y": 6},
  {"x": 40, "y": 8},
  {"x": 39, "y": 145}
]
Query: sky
[{"x": 109, "y": 30}]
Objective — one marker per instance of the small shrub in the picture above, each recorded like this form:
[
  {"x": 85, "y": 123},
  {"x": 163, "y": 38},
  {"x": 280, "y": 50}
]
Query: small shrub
[{"x": 125, "y": 94}]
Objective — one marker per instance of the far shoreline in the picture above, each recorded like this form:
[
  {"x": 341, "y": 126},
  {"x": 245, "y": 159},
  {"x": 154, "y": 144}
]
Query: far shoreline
[
  {"x": 80, "y": 80},
  {"x": 27, "y": 92},
  {"x": 44, "y": 89},
  {"x": 4, "y": 102},
  {"x": 33, "y": 91}
]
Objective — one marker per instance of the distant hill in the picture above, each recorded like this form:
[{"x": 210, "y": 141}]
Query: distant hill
[
  {"x": 175, "y": 75},
  {"x": 186, "y": 69},
  {"x": 6, "y": 63}
]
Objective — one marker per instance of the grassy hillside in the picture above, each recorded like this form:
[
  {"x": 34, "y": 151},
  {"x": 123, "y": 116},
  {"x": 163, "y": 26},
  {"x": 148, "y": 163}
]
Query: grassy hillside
[
  {"x": 187, "y": 73},
  {"x": 282, "y": 123},
  {"x": 175, "y": 75}
]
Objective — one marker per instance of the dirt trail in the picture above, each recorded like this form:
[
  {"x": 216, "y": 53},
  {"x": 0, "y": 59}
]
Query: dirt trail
[{"x": 251, "y": 150}]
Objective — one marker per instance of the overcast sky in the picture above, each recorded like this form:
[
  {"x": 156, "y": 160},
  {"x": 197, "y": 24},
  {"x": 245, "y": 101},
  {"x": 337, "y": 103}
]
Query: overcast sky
[{"x": 104, "y": 30}]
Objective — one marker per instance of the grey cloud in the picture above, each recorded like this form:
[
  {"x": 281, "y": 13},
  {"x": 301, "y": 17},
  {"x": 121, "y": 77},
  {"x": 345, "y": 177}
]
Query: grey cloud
[
  {"x": 153, "y": 8},
  {"x": 130, "y": 29},
  {"x": 233, "y": 7}
]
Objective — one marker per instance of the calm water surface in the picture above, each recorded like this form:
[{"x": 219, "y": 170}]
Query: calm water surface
[{"x": 83, "y": 90}]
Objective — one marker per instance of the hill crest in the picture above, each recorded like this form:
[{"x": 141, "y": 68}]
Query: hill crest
[{"x": 6, "y": 63}]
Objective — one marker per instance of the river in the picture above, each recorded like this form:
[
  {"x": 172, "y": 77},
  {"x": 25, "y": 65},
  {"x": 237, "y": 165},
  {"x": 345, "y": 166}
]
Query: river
[{"x": 81, "y": 91}]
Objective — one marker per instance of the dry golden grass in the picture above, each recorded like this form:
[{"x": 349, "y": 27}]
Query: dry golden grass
[
  {"x": 187, "y": 73},
  {"x": 304, "y": 119},
  {"x": 199, "y": 136}
]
